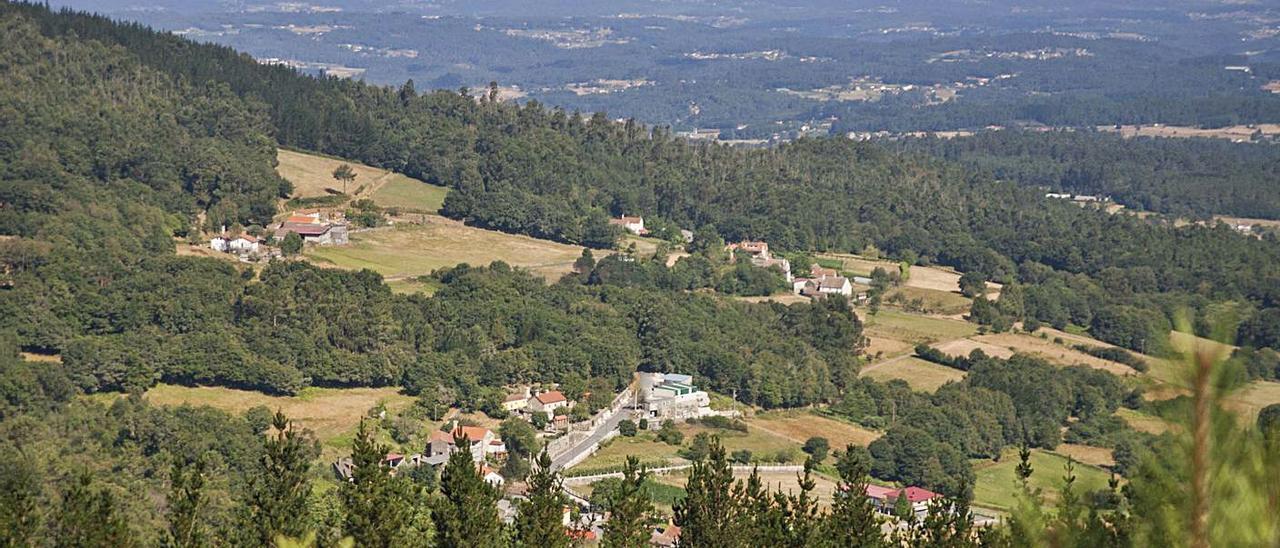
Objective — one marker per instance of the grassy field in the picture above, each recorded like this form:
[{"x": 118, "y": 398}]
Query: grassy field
[
  {"x": 411, "y": 195},
  {"x": 996, "y": 485},
  {"x": 915, "y": 328},
  {"x": 406, "y": 286},
  {"x": 799, "y": 426},
  {"x": 920, "y": 374},
  {"x": 1252, "y": 398},
  {"x": 331, "y": 413},
  {"x": 1143, "y": 422},
  {"x": 934, "y": 301},
  {"x": 921, "y": 277},
  {"x": 644, "y": 446},
  {"x": 312, "y": 175},
  {"x": 413, "y": 250},
  {"x": 786, "y": 482},
  {"x": 1060, "y": 354}
]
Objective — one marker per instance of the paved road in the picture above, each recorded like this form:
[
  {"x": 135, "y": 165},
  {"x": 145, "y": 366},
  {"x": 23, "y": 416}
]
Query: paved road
[{"x": 589, "y": 442}]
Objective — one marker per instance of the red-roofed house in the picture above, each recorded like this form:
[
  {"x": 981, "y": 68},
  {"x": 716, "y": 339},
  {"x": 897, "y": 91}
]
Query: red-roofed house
[
  {"x": 548, "y": 402},
  {"x": 483, "y": 442},
  {"x": 885, "y": 499}
]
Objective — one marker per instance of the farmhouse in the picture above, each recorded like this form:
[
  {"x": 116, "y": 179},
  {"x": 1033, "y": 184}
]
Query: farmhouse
[
  {"x": 782, "y": 264},
  {"x": 830, "y": 285},
  {"x": 755, "y": 249},
  {"x": 548, "y": 402},
  {"x": 515, "y": 403},
  {"x": 672, "y": 396},
  {"x": 634, "y": 225},
  {"x": 885, "y": 499},
  {"x": 313, "y": 229},
  {"x": 483, "y": 443}
]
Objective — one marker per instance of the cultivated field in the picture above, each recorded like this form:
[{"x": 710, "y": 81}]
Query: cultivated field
[
  {"x": 1143, "y": 422},
  {"x": 1088, "y": 454},
  {"x": 962, "y": 347},
  {"x": 1053, "y": 352},
  {"x": 799, "y": 426},
  {"x": 920, "y": 374},
  {"x": 407, "y": 250},
  {"x": 410, "y": 195},
  {"x": 786, "y": 482},
  {"x": 997, "y": 486}
]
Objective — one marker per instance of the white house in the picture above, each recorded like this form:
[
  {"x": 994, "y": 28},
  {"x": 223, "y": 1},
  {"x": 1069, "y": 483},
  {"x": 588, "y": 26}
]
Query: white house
[
  {"x": 827, "y": 286},
  {"x": 483, "y": 443},
  {"x": 218, "y": 243},
  {"x": 492, "y": 477},
  {"x": 634, "y": 225},
  {"x": 243, "y": 243},
  {"x": 516, "y": 402},
  {"x": 548, "y": 402},
  {"x": 885, "y": 499}
]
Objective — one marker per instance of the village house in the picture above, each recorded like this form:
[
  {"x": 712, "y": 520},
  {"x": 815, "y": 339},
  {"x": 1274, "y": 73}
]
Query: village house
[
  {"x": 634, "y": 225},
  {"x": 665, "y": 536},
  {"x": 755, "y": 249},
  {"x": 885, "y": 499},
  {"x": 672, "y": 396},
  {"x": 516, "y": 403},
  {"x": 548, "y": 402},
  {"x": 484, "y": 443},
  {"x": 313, "y": 229},
  {"x": 837, "y": 285},
  {"x": 492, "y": 477},
  {"x": 240, "y": 244}
]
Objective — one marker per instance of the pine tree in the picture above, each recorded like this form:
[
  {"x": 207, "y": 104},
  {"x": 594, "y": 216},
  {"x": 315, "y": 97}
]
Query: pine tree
[
  {"x": 186, "y": 504},
  {"x": 466, "y": 513},
  {"x": 710, "y": 512},
  {"x": 89, "y": 518},
  {"x": 277, "y": 502},
  {"x": 853, "y": 520},
  {"x": 379, "y": 507},
  {"x": 540, "y": 522},
  {"x": 630, "y": 508},
  {"x": 803, "y": 523},
  {"x": 20, "y": 521}
]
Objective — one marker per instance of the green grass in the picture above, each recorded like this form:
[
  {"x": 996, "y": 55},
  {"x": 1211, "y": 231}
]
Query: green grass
[
  {"x": 920, "y": 374},
  {"x": 409, "y": 250},
  {"x": 406, "y": 286},
  {"x": 411, "y": 195},
  {"x": 915, "y": 329},
  {"x": 613, "y": 454},
  {"x": 997, "y": 486}
]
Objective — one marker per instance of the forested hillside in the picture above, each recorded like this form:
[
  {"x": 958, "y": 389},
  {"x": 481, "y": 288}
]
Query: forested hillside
[{"x": 1194, "y": 178}]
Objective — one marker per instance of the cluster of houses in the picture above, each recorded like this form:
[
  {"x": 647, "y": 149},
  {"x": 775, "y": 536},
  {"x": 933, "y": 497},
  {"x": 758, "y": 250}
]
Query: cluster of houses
[
  {"x": 671, "y": 396},
  {"x": 759, "y": 252},
  {"x": 483, "y": 444},
  {"x": 528, "y": 403},
  {"x": 311, "y": 225},
  {"x": 1078, "y": 198},
  {"x": 823, "y": 281}
]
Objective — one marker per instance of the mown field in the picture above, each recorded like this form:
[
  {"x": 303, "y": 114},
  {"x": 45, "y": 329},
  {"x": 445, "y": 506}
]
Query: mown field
[
  {"x": 996, "y": 486},
  {"x": 410, "y": 195},
  {"x": 410, "y": 250},
  {"x": 921, "y": 375},
  {"x": 312, "y": 175}
]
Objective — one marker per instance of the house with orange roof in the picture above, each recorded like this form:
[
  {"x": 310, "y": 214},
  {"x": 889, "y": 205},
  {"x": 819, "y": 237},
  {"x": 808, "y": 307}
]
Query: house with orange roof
[{"x": 548, "y": 402}]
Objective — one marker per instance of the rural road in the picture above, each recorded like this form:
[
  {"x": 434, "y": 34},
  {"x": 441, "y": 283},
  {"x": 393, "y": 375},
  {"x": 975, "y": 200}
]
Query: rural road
[{"x": 589, "y": 442}]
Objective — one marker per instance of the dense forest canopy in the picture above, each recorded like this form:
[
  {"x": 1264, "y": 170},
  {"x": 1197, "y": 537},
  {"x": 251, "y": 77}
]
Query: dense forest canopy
[{"x": 1194, "y": 178}]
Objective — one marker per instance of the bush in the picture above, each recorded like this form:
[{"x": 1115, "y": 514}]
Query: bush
[
  {"x": 817, "y": 447},
  {"x": 627, "y": 428},
  {"x": 1118, "y": 355},
  {"x": 724, "y": 423},
  {"x": 669, "y": 435},
  {"x": 644, "y": 424},
  {"x": 741, "y": 456}
]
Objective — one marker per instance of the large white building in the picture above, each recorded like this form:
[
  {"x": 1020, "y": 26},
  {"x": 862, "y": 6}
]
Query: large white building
[{"x": 671, "y": 396}]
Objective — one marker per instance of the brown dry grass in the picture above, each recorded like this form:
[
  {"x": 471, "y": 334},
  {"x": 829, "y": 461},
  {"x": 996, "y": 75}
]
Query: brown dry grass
[
  {"x": 887, "y": 348},
  {"x": 1252, "y": 398},
  {"x": 414, "y": 250},
  {"x": 920, "y": 374},
  {"x": 329, "y": 412},
  {"x": 782, "y": 298},
  {"x": 923, "y": 277},
  {"x": 963, "y": 347},
  {"x": 311, "y": 175},
  {"x": 1088, "y": 454},
  {"x": 1143, "y": 422},
  {"x": 1229, "y": 132},
  {"x": 1051, "y": 351},
  {"x": 46, "y": 358},
  {"x": 799, "y": 426}
]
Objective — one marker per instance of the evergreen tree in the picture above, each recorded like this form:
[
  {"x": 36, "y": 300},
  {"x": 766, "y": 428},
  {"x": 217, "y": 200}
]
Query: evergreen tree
[
  {"x": 186, "y": 504},
  {"x": 20, "y": 521},
  {"x": 803, "y": 523},
  {"x": 277, "y": 502},
  {"x": 379, "y": 507},
  {"x": 466, "y": 513},
  {"x": 89, "y": 517},
  {"x": 344, "y": 173},
  {"x": 853, "y": 520},
  {"x": 540, "y": 521},
  {"x": 630, "y": 509},
  {"x": 709, "y": 514}
]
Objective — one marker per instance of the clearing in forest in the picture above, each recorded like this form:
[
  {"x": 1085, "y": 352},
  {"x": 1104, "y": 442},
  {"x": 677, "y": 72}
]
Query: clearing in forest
[
  {"x": 312, "y": 175},
  {"x": 921, "y": 375},
  {"x": 1250, "y": 399},
  {"x": 914, "y": 329},
  {"x": 410, "y": 195},
  {"x": 996, "y": 485},
  {"x": 923, "y": 277},
  {"x": 410, "y": 250},
  {"x": 332, "y": 413}
]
